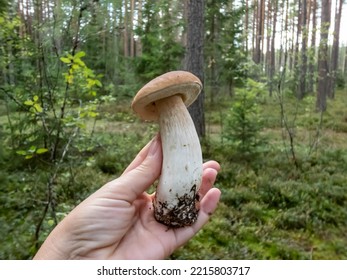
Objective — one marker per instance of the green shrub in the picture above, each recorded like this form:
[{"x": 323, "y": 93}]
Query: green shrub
[{"x": 243, "y": 123}]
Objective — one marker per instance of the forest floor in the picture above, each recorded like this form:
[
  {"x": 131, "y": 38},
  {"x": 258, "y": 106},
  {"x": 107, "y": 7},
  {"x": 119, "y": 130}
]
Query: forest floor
[
  {"x": 274, "y": 206},
  {"x": 271, "y": 208}
]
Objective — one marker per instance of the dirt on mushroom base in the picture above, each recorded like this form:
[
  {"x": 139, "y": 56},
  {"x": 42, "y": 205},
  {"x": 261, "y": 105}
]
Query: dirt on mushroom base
[{"x": 185, "y": 213}]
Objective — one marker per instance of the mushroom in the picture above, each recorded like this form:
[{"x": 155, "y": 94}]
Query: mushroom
[{"x": 164, "y": 99}]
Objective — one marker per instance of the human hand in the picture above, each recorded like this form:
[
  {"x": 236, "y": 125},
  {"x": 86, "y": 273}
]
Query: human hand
[{"x": 117, "y": 221}]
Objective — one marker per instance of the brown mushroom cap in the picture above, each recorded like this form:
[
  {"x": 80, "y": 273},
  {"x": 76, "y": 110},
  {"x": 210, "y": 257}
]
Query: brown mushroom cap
[{"x": 172, "y": 83}]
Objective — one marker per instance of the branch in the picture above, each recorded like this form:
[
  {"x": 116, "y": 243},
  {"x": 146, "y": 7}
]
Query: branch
[{"x": 50, "y": 190}]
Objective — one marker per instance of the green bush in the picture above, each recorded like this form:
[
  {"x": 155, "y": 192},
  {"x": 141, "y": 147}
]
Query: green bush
[{"x": 243, "y": 123}]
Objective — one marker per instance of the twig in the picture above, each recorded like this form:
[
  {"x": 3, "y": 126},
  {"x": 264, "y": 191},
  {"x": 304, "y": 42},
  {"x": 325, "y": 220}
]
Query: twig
[
  {"x": 50, "y": 193},
  {"x": 284, "y": 122},
  {"x": 314, "y": 143}
]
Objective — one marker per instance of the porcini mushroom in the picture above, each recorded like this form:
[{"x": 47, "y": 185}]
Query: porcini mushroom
[{"x": 165, "y": 99}]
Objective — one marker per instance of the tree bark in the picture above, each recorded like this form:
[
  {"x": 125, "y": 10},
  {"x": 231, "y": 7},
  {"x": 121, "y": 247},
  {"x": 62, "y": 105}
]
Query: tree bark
[
  {"x": 335, "y": 49},
  {"x": 268, "y": 39},
  {"x": 312, "y": 66},
  {"x": 323, "y": 65},
  {"x": 273, "y": 49},
  {"x": 246, "y": 26},
  {"x": 132, "y": 42},
  {"x": 303, "y": 68},
  {"x": 126, "y": 31},
  {"x": 194, "y": 60},
  {"x": 138, "y": 44},
  {"x": 260, "y": 32}
]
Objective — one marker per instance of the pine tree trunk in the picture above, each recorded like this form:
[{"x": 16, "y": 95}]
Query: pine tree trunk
[
  {"x": 335, "y": 48},
  {"x": 246, "y": 26},
  {"x": 194, "y": 60},
  {"x": 126, "y": 31},
  {"x": 138, "y": 44},
  {"x": 259, "y": 32},
  {"x": 303, "y": 68},
  {"x": 273, "y": 49},
  {"x": 323, "y": 65},
  {"x": 268, "y": 39},
  {"x": 311, "y": 66},
  {"x": 132, "y": 45}
]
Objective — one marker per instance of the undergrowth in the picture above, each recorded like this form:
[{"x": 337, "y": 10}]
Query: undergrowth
[{"x": 270, "y": 208}]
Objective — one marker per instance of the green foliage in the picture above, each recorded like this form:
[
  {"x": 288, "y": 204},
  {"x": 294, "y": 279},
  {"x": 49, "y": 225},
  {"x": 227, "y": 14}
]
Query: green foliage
[
  {"x": 243, "y": 124},
  {"x": 161, "y": 52},
  {"x": 224, "y": 50},
  {"x": 3, "y": 6},
  {"x": 82, "y": 76}
]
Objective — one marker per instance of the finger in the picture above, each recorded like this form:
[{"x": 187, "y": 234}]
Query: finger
[
  {"x": 207, "y": 206},
  {"x": 208, "y": 178},
  {"x": 211, "y": 164},
  {"x": 141, "y": 175},
  {"x": 140, "y": 156}
]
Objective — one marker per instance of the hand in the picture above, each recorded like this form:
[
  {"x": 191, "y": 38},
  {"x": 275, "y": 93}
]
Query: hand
[{"x": 117, "y": 221}]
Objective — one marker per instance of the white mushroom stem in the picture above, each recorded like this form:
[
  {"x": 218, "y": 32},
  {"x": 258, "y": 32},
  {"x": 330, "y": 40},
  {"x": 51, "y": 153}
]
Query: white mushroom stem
[{"x": 176, "y": 200}]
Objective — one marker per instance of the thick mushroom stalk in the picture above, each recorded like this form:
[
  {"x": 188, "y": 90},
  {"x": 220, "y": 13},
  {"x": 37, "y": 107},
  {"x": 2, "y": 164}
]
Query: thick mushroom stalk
[
  {"x": 165, "y": 99},
  {"x": 176, "y": 199}
]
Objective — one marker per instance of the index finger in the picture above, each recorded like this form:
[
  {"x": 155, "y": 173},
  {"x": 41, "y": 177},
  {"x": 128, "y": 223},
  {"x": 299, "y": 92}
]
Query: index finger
[{"x": 140, "y": 156}]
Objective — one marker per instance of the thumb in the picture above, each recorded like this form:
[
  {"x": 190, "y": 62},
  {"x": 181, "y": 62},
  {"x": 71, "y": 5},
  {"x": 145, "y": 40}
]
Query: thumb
[{"x": 135, "y": 181}]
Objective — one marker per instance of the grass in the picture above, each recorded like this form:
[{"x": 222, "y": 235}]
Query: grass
[{"x": 270, "y": 208}]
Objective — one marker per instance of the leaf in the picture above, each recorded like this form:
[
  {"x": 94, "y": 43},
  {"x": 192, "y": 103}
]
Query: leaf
[
  {"x": 28, "y": 156},
  {"x": 65, "y": 60},
  {"x": 69, "y": 79},
  {"x": 32, "y": 149},
  {"x": 35, "y": 98},
  {"x": 21, "y": 152},
  {"x": 80, "y": 54},
  {"x": 90, "y": 83},
  {"x": 79, "y": 62},
  {"x": 29, "y": 103},
  {"x": 92, "y": 114},
  {"x": 98, "y": 83},
  {"x": 41, "y": 151},
  {"x": 38, "y": 107}
]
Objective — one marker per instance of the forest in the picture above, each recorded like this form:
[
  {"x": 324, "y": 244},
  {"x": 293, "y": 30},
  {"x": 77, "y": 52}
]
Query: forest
[{"x": 272, "y": 113}]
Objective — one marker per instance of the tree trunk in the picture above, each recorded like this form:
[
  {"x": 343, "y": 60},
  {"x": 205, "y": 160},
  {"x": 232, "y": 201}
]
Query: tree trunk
[
  {"x": 259, "y": 32},
  {"x": 132, "y": 43},
  {"x": 296, "y": 63},
  {"x": 246, "y": 26},
  {"x": 303, "y": 68},
  {"x": 212, "y": 41},
  {"x": 323, "y": 65},
  {"x": 335, "y": 49},
  {"x": 311, "y": 66},
  {"x": 126, "y": 31},
  {"x": 254, "y": 28},
  {"x": 268, "y": 39},
  {"x": 138, "y": 44},
  {"x": 273, "y": 49},
  {"x": 194, "y": 60}
]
